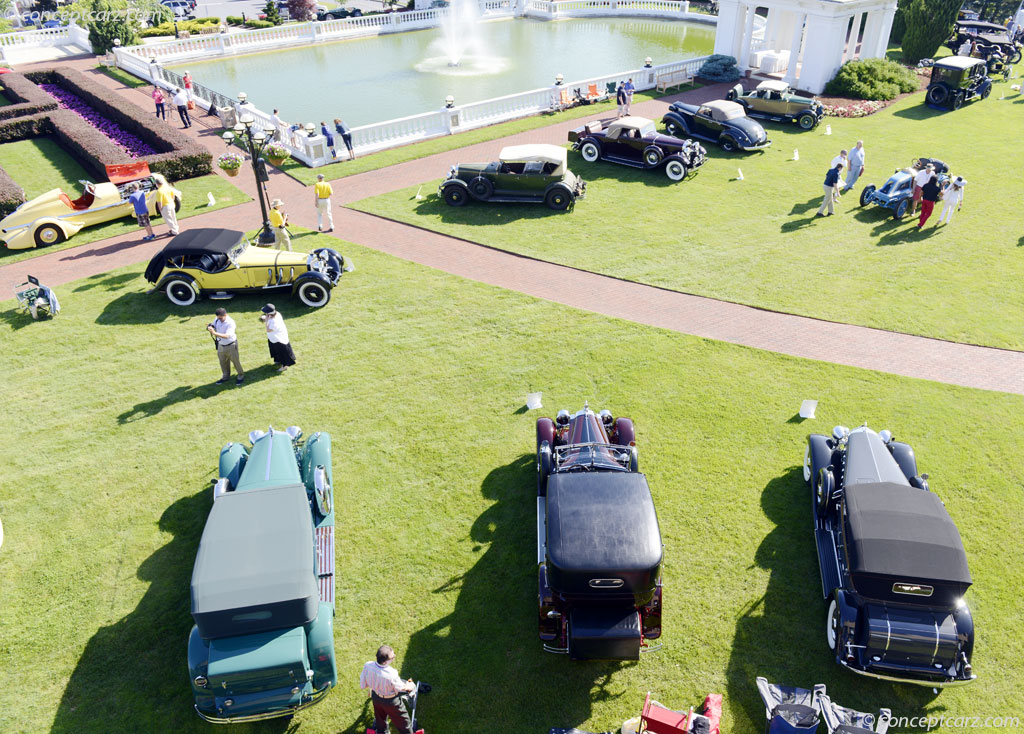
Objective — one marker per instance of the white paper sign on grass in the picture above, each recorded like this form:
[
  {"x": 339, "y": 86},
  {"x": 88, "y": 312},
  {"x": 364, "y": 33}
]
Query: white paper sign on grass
[
  {"x": 807, "y": 408},
  {"x": 533, "y": 400}
]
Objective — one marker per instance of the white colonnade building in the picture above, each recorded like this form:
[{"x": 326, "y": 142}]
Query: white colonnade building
[{"x": 805, "y": 40}]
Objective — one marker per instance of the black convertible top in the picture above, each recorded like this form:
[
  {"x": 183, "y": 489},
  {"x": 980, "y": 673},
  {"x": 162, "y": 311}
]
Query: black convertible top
[
  {"x": 905, "y": 533},
  {"x": 194, "y": 242}
]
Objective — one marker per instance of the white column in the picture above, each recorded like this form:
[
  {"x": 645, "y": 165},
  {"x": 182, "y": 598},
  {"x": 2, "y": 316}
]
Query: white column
[
  {"x": 794, "y": 49},
  {"x": 885, "y": 30},
  {"x": 726, "y": 30},
  {"x": 871, "y": 28},
  {"x": 823, "y": 52},
  {"x": 771, "y": 29},
  {"x": 748, "y": 34},
  {"x": 851, "y": 47}
]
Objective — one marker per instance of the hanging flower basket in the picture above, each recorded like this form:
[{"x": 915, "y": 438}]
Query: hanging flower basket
[
  {"x": 277, "y": 154},
  {"x": 230, "y": 163}
]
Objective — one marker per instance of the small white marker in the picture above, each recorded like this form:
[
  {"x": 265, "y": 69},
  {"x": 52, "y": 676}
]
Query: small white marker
[
  {"x": 533, "y": 400},
  {"x": 739, "y": 174},
  {"x": 828, "y": 129},
  {"x": 807, "y": 408},
  {"x": 210, "y": 201},
  {"x": 418, "y": 197},
  {"x": 796, "y": 154}
]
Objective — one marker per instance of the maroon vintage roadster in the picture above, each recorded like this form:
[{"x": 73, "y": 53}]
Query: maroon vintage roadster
[{"x": 599, "y": 548}]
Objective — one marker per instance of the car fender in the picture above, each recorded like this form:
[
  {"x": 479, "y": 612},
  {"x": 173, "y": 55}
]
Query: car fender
[
  {"x": 821, "y": 453},
  {"x": 904, "y": 456},
  {"x": 676, "y": 157},
  {"x": 964, "y": 629},
  {"x": 849, "y": 618},
  {"x": 588, "y": 139},
  {"x": 232, "y": 461},
  {"x": 735, "y": 93},
  {"x": 311, "y": 275},
  {"x": 198, "y": 662},
  {"x": 162, "y": 283},
  {"x": 454, "y": 182},
  {"x": 560, "y": 185},
  {"x": 19, "y": 238},
  {"x": 320, "y": 642}
]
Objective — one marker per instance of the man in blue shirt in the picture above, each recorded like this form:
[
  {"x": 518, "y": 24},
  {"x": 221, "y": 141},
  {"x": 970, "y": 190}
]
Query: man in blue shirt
[
  {"x": 138, "y": 200},
  {"x": 831, "y": 189},
  {"x": 629, "y": 88}
]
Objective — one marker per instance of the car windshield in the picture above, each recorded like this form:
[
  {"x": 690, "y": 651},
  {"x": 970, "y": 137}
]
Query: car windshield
[
  {"x": 648, "y": 130},
  {"x": 236, "y": 252}
]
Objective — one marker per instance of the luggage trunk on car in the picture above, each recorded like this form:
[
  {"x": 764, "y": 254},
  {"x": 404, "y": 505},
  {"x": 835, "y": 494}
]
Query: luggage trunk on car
[
  {"x": 260, "y": 662},
  {"x": 910, "y": 639}
]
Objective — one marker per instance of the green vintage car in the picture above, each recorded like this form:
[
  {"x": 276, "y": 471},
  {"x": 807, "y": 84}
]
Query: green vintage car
[
  {"x": 776, "y": 101},
  {"x": 263, "y": 582}
]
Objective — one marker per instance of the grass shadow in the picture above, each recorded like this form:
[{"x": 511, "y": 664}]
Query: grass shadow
[
  {"x": 904, "y": 235},
  {"x": 107, "y": 281},
  {"x": 19, "y": 320},
  {"x": 141, "y": 307},
  {"x": 919, "y": 112},
  {"x": 811, "y": 204},
  {"x": 494, "y": 623},
  {"x": 149, "y": 408},
  {"x": 781, "y": 635}
]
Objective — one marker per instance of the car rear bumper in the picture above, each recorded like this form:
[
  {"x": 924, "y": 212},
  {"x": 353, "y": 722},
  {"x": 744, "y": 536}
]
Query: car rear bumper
[
  {"x": 314, "y": 699},
  {"x": 897, "y": 676}
]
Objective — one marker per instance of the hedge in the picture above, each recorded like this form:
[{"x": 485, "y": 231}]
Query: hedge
[
  {"x": 26, "y": 98},
  {"x": 259, "y": 24},
  {"x": 11, "y": 195},
  {"x": 180, "y": 156},
  {"x": 167, "y": 29},
  {"x": 873, "y": 79}
]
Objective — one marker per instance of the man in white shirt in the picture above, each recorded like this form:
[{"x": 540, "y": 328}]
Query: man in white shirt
[
  {"x": 180, "y": 100},
  {"x": 277, "y": 338},
  {"x": 856, "y": 165},
  {"x": 391, "y": 696},
  {"x": 223, "y": 331},
  {"x": 923, "y": 176}
]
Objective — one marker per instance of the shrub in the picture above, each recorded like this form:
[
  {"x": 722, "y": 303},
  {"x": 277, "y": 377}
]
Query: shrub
[
  {"x": 271, "y": 13},
  {"x": 871, "y": 79},
  {"x": 110, "y": 25},
  {"x": 301, "y": 9},
  {"x": 25, "y": 97},
  {"x": 233, "y": 20},
  {"x": 276, "y": 150},
  {"x": 259, "y": 24},
  {"x": 11, "y": 195},
  {"x": 167, "y": 29},
  {"x": 719, "y": 68},
  {"x": 209, "y": 20}
]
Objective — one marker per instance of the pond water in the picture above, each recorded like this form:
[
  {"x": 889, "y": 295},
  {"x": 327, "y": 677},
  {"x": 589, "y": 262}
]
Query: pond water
[{"x": 375, "y": 79}]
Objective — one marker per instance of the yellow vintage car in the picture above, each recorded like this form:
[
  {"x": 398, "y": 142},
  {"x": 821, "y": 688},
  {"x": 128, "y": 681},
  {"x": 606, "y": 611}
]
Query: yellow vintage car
[
  {"x": 220, "y": 263},
  {"x": 54, "y": 216}
]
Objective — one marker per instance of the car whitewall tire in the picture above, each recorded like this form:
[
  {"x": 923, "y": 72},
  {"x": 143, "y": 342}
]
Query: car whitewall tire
[
  {"x": 807, "y": 464},
  {"x": 832, "y": 625},
  {"x": 590, "y": 152},
  {"x": 675, "y": 170},
  {"x": 314, "y": 294},
  {"x": 180, "y": 292}
]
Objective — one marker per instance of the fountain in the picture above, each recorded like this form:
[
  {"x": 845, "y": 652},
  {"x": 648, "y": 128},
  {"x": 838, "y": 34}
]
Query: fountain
[{"x": 460, "y": 49}]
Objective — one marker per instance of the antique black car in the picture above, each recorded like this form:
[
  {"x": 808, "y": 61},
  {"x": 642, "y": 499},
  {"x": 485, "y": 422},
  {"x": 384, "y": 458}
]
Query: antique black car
[
  {"x": 599, "y": 548},
  {"x": 893, "y": 567},
  {"x": 956, "y": 79},
  {"x": 989, "y": 37},
  {"x": 634, "y": 141},
  {"x": 522, "y": 173},
  {"x": 719, "y": 121},
  {"x": 776, "y": 101}
]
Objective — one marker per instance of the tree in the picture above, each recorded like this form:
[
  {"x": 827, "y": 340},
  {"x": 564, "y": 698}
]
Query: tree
[
  {"x": 108, "y": 22},
  {"x": 929, "y": 23},
  {"x": 302, "y": 9},
  {"x": 45, "y": 6},
  {"x": 271, "y": 12}
]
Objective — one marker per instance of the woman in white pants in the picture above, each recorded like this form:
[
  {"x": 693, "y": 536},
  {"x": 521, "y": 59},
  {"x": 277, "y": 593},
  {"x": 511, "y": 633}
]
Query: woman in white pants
[{"x": 952, "y": 197}]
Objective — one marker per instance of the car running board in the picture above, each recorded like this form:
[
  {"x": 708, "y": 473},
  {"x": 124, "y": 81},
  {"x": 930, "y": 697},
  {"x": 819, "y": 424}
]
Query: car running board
[
  {"x": 625, "y": 161},
  {"x": 827, "y": 561},
  {"x": 325, "y": 562},
  {"x": 220, "y": 296}
]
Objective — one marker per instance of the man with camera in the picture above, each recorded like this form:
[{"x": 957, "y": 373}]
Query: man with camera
[{"x": 223, "y": 332}]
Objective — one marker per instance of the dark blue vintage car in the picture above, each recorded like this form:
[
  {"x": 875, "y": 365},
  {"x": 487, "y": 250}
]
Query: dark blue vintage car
[
  {"x": 718, "y": 121},
  {"x": 893, "y": 567},
  {"x": 898, "y": 192}
]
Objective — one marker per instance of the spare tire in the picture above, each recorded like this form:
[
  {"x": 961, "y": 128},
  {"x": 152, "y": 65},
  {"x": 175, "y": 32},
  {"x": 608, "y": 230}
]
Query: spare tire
[
  {"x": 937, "y": 94},
  {"x": 481, "y": 188}
]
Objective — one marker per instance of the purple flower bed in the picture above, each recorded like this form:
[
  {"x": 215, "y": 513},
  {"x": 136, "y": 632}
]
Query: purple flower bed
[{"x": 127, "y": 142}]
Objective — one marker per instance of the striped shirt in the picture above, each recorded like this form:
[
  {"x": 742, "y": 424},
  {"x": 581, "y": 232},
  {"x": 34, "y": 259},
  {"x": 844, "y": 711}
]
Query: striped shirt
[{"x": 382, "y": 680}]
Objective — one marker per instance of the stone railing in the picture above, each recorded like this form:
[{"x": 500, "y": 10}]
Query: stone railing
[
  {"x": 632, "y": 8},
  {"x": 12, "y": 45}
]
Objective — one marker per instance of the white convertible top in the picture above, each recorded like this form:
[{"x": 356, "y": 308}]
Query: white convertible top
[
  {"x": 958, "y": 62},
  {"x": 535, "y": 152},
  {"x": 723, "y": 109},
  {"x": 775, "y": 85}
]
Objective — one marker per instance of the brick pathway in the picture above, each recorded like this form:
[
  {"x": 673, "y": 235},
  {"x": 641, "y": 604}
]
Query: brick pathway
[{"x": 912, "y": 356}]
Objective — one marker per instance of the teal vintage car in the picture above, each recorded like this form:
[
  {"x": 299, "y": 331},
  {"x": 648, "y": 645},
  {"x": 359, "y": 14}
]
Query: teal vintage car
[{"x": 263, "y": 582}]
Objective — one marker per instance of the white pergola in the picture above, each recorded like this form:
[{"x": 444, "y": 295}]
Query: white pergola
[{"x": 807, "y": 39}]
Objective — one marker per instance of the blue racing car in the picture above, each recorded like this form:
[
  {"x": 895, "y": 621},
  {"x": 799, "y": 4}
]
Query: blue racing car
[{"x": 898, "y": 192}]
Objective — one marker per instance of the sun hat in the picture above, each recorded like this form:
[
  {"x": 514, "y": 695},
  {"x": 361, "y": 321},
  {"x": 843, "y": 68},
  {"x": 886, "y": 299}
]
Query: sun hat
[
  {"x": 268, "y": 309},
  {"x": 276, "y": 202}
]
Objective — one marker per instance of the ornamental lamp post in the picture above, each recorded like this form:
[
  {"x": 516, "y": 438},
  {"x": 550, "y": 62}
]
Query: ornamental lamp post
[
  {"x": 559, "y": 79},
  {"x": 254, "y": 141},
  {"x": 648, "y": 62},
  {"x": 449, "y": 102}
]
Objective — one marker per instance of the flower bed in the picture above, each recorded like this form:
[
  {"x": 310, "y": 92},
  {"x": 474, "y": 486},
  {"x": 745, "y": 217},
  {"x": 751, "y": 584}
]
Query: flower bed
[
  {"x": 853, "y": 109},
  {"x": 127, "y": 142}
]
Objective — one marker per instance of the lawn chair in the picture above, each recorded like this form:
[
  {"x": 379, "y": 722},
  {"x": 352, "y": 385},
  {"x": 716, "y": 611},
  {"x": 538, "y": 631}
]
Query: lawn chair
[
  {"x": 36, "y": 299},
  {"x": 790, "y": 710},
  {"x": 564, "y": 101},
  {"x": 841, "y": 720},
  {"x": 595, "y": 96}
]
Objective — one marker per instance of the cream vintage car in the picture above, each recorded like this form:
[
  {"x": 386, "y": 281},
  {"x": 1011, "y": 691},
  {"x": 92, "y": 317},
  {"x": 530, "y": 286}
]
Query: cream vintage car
[
  {"x": 220, "y": 263},
  {"x": 54, "y": 216}
]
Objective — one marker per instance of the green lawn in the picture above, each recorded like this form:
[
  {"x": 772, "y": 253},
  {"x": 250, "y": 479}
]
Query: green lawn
[
  {"x": 3, "y": 100},
  {"x": 40, "y": 164},
  {"x": 343, "y": 168},
  {"x": 756, "y": 241},
  {"x": 129, "y": 80},
  {"x": 115, "y": 427}
]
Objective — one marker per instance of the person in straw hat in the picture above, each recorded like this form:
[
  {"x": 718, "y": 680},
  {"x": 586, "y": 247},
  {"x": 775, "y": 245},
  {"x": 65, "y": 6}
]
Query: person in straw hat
[
  {"x": 952, "y": 198},
  {"x": 277, "y": 338},
  {"x": 279, "y": 221}
]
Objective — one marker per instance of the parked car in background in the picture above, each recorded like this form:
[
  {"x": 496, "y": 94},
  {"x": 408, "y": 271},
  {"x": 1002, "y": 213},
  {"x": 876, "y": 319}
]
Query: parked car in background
[
  {"x": 54, "y": 216},
  {"x": 634, "y": 141},
  {"x": 718, "y": 121},
  {"x": 262, "y": 587},
  {"x": 522, "y": 174},
  {"x": 956, "y": 79},
  {"x": 990, "y": 37},
  {"x": 220, "y": 263},
  {"x": 599, "y": 550},
  {"x": 897, "y": 193},
  {"x": 338, "y": 13},
  {"x": 776, "y": 101},
  {"x": 893, "y": 567}
]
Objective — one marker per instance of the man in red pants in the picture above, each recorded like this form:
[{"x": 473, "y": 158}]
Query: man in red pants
[
  {"x": 392, "y": 697},
  {"x": 929, "y": 195}
]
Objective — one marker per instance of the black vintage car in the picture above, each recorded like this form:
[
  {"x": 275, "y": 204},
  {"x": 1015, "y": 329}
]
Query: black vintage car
[
  {"x": 522, "y": 173},
  {"x": 339, "y": 13},
  {"x": 893, "y": 567},
  {"x": 634, "y": 141},
  {"x": 719, "y": 121},
  {"x": 599, "y": 548},
  {"x": 990, "y": 37},
  {"x": 956, "y": 79}
]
